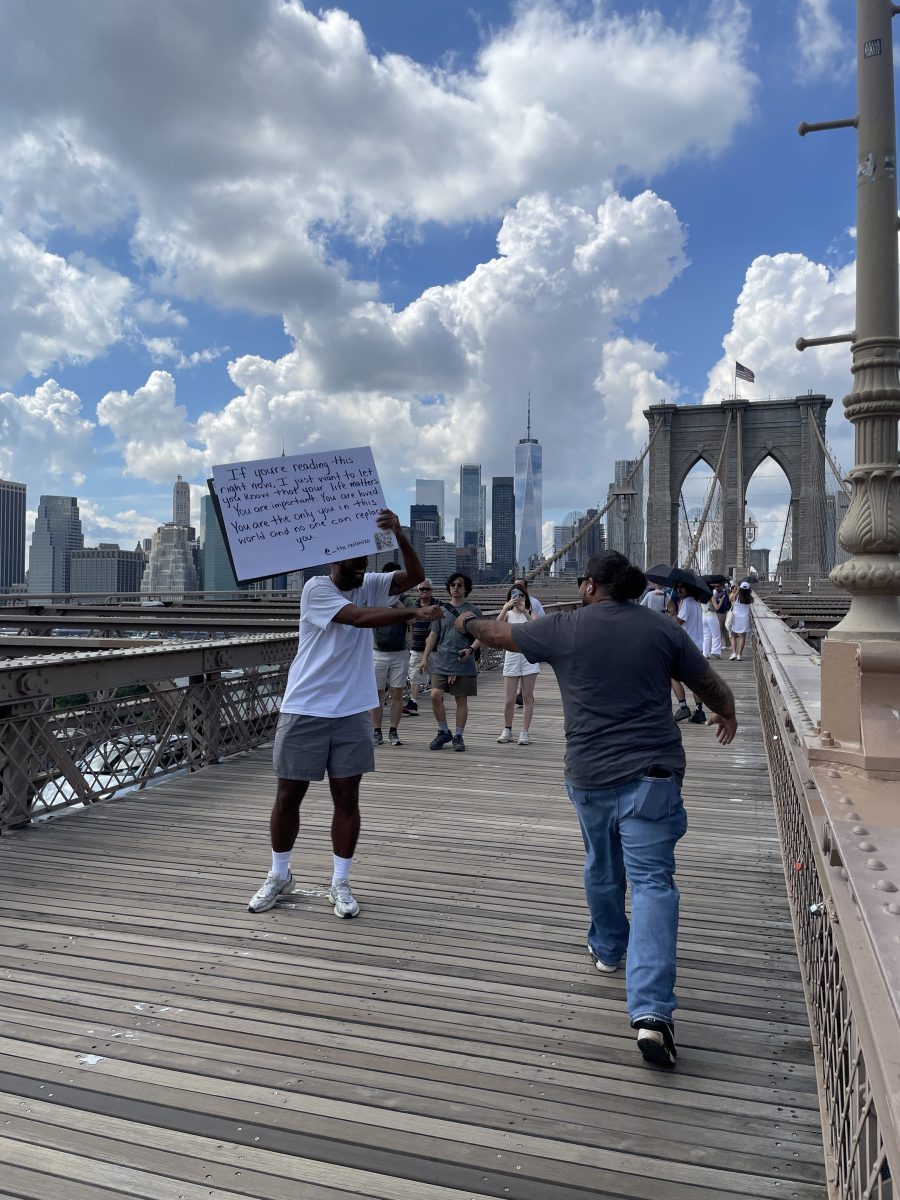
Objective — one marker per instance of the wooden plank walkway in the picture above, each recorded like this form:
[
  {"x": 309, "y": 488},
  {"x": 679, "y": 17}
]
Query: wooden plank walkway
[{"x": 453, "y": 1042}]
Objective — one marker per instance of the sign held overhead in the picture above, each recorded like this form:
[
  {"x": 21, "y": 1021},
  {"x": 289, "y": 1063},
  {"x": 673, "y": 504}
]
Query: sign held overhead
[{"x": 301, "y": 510}]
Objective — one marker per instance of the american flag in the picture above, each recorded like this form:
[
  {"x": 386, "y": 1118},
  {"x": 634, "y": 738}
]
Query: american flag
[{"x": 742, "y": 372}]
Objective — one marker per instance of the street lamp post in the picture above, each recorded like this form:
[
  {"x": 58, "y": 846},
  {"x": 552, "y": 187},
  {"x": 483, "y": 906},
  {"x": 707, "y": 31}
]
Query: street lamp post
[{"x": 861, "y": 656}]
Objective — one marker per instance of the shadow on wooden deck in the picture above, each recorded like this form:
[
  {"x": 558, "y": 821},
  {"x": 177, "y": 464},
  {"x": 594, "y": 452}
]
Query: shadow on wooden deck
[{"x": 453, "y": 1042}]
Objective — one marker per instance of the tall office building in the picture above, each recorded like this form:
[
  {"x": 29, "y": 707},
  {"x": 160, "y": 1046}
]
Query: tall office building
[
  {"x": 625, "y": 519},
  {"x": 562, "y": 535},
  {"x": 529, "y": 497},
  {"x": 503, "y": 525},
  {"x": 471, "y": 506},
  {"x": 592, "y": 540},
  {"x": 57, "y": 532},
  {"x": 215, "y": 564},
  {"x": 12, "y": 533},
  {"x": 431, "y": 491},
  {"x": 836, "y": 505},
  {"x": 181, "y": 503},
  {"x": 424, "y": 522},
  {"x": 107, "y": 569},
  {"x": 171, "y": 569},
  {"x": 439, "y": 560}
]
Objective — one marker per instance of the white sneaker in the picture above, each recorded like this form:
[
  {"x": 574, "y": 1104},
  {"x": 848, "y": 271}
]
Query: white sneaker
[
  {"x": 604, "y": 968},
  {"x": 524, "y": 739},
  {"x": 739, "y": 658},
  {"x": 732, "y": 657},
  {"x": 276, "y": 885},
  {"x": 505, "y": 736},
  {"x": 342, "y": 898}
]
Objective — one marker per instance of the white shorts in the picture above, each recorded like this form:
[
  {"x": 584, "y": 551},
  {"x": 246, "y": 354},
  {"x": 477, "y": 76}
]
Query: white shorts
[
  {"x": 415, "y": 675},
  {"x": 390, "y": 668},
  {"x": 515, "y": 664}
]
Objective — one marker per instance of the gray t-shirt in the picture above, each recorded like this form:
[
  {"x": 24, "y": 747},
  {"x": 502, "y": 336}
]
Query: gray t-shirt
[
  {"x": 445, "y": 658},
  {"x": 615, "y": 663}
]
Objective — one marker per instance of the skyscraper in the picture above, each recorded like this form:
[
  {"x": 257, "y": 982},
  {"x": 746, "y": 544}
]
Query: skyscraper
[
  {"x": 503, "y": 525},
  {"x": 107, "y": 569},
  {"x": 12, "y": 533},
  {"x": 170, "y": 569},
  {"x": 216, "y": 566},
  {"x": 625, "y": 519},
  {"x": 181, "y": 503},
  {"x": 471, "y": 506},
  {"x": 424, "y": 522},
  {"x": 529, "y": 500},
  {"x": 431, "y": 491},
  {"x": 57, "y": 532}
]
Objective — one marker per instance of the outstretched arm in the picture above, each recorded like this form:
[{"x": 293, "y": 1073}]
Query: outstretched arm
[
  {"x": 413, "y": 572},
  {"x": 715, "y": 693},
  {"x": 488, "y": 633},
  {"x": 375, "y": 618}
]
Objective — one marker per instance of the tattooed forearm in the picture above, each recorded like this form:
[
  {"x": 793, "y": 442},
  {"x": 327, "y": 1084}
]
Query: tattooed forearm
[{"x": 715, "y": 693}]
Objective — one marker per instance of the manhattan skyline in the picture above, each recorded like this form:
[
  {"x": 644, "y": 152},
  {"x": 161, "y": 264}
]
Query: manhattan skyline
[{"x": 256, "y": 259}]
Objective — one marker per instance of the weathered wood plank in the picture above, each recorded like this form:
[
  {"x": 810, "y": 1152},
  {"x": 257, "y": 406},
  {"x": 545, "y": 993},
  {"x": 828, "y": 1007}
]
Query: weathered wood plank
[{"x": 453, "y": 1041}]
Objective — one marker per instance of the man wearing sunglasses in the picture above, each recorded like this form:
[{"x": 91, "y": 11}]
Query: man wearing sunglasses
[{"x": 418, "y": 636}]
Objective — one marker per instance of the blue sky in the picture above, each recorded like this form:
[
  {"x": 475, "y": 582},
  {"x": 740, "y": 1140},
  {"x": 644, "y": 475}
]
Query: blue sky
[{"x": 224, "y": 224}]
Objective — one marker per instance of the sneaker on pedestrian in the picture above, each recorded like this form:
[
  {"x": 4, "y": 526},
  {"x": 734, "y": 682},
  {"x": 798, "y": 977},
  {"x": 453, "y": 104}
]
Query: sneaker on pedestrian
[
  {"x": 505, "y": 736},
  {"x": 276, "y": 885},
  {"x": 698, "y": 716},
  {"x": 394, "y": 737},
  {"x": 377, "y": 737},
  {"x": 604, "y": 968},
  {"x": 682, "y": 712},
  {"x": 410, "y": 709},
  {"x": 524, "y": 739},
  {"x": 342, "y": 898},
  {"x": 458, "y": 743},
  {"x": 656, "y": 1041},
  {"x": 732, "y": 656},
  {"x": 440, "y": 741},
  {"x": 739, "y": 657}
]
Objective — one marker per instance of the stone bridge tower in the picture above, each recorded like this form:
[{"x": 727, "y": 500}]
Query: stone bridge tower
[{"x": 777, "y": 429}]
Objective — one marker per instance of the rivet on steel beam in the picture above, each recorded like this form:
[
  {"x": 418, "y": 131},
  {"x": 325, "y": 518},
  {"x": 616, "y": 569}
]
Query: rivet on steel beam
[
  {"x": 885, "y": 885},
  {"x": 875, "y": 864}
]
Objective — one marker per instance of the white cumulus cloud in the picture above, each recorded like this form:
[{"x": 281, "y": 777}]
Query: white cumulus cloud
[
  {"x": 45, "y": 441},
  {"x": 151, "y": 430}
]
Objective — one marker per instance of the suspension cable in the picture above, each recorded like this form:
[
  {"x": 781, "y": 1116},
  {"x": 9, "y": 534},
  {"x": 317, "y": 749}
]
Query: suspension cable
[
  {"x": 695, "y": 540},
  {"x": 787, "y": 525},
  {"x": 826, "y": 449},
  {"x": 595, "y": 520}
]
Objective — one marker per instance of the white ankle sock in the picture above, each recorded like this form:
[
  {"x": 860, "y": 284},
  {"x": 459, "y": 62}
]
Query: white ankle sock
[
  {"x": 281, "y": 864},
  {"x": 341, "y": 868}
]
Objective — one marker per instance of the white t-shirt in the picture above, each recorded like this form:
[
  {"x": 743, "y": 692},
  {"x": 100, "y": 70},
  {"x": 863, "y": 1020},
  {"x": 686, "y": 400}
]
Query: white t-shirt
[
  {"x": 691, "y": 613},
  {"x": 333, "y": 673},
  {"x": 536, "y": 607}
]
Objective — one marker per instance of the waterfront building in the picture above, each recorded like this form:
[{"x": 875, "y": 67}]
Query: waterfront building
[
  {"x": 529, "y": 498},
  {"x": 431, "y": 491},
  {"x": 503, "y": 525},
  {"x": 107, "y": 569},
  {"x": 57, "y": 532},
  {"x": 12, "y": 533},
  {"x": 471, "y": 506},
  {"x": 216, "y": 571},
  {"x": 171, "y": 568}
]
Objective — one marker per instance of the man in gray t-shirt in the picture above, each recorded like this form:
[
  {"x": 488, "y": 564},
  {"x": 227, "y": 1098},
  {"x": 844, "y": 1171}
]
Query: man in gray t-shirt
[{"x": 614, "y": 662}]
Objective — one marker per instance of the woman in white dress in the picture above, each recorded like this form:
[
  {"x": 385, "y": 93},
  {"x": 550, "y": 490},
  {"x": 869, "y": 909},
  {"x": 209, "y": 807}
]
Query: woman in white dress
[
  {"x": 741, "y": 599},
  {"x": 517, "y": 670}
]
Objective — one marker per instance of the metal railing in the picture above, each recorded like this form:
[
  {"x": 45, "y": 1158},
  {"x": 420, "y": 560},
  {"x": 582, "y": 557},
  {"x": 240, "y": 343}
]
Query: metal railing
[
  {"x": 856, "y": 1031},
  {"x": 81, "y": 727}
]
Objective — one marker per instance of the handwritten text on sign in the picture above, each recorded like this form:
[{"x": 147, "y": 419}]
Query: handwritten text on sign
[{"x": 282, "y": 514}]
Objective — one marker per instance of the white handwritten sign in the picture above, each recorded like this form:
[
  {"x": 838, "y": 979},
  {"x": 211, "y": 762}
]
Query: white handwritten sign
[{"x": 283, "y": 514}]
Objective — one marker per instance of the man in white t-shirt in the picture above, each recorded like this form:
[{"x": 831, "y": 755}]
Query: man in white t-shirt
[{"x": 324, "y": 726}]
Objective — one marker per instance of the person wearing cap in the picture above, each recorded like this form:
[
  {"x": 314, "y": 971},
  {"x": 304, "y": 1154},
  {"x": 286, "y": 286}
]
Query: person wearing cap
[
  {"x": 623, "y": 770},
  {"x": 741, "y": 599}
]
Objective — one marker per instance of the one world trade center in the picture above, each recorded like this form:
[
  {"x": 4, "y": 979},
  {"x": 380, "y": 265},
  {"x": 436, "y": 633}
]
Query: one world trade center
[{"x": 529, "y": 510}]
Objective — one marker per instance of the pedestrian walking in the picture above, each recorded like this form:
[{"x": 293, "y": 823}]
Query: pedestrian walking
[
  {"x": 712, "y": 634},
  {"x": 391, "y": 660},
  {"x": 450, "y": 659},
  {"x": 655, "y": 598},
  {"x": 518, "y": 672},
  {"x": 324, "y": 726},
  {"x": 690, "y": 617},
  {"x": 721, "y": 605},
  {"x": 418, "y": 636},
  {"x": 624, "y": 768},
  {"x": 741, "y": 599}
]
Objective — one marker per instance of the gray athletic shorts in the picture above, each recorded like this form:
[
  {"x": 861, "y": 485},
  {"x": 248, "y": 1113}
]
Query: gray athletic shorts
[{"x": 307, "y": 747}]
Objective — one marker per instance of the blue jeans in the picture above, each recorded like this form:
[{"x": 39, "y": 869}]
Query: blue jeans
[{"x": 629, "y": 833}]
